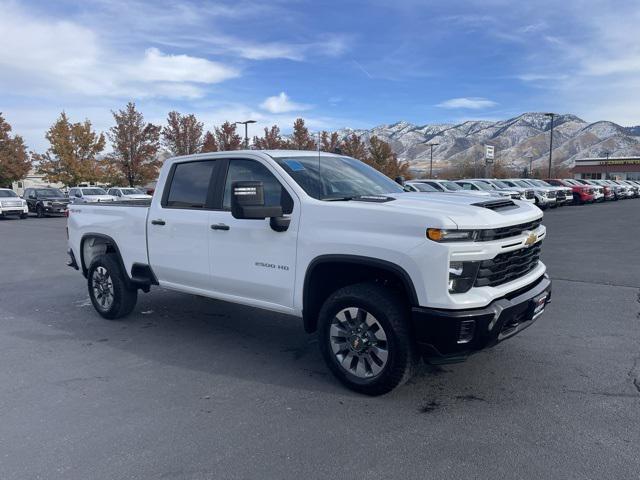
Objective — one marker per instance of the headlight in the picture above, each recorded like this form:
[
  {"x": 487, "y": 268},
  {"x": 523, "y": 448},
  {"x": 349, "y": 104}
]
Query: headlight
[
  {"x": 442, "y": 235},
  {"x": 462, "y": 276}
]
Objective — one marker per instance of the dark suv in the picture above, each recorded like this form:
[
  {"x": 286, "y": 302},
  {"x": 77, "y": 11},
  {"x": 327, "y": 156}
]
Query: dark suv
[{"x": 46, "y": 201}]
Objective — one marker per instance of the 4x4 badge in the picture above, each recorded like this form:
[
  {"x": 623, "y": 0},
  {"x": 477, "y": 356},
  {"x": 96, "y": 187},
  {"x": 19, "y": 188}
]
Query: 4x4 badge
[{"x": 531, "y": 239}]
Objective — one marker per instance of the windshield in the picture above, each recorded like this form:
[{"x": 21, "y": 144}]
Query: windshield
[
  {"x": 540, "y": 183},
  {"x": 453, "y": 187},
  {"x": 500, "y": 184},
  {"x": 7, "y": 193},
  {"x": 93, "y": 191},
  {"x": 131, "y": 191},
  {"x": 423, "y": 187},
  {"x": 521, "y": 183},
  {"x": 484, "y": 186},
  {"x": 49, "y": 192},
  {"x": 336, "y": 177}
]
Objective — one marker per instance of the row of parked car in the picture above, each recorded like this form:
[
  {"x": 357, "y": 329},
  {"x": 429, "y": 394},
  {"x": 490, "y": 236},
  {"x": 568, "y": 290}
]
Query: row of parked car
[
  {"x": 51, "y": 201},
  {"x": 545, "y": 194}
]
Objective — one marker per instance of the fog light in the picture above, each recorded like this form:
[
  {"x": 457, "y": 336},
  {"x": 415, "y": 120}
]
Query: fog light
[
  {"x": 467, "y": 329},
  {"x": 462, "y": 276}
]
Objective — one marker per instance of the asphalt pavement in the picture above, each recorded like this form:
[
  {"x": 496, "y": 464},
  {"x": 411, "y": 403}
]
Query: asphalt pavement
[{"x": 191, "y": 388}]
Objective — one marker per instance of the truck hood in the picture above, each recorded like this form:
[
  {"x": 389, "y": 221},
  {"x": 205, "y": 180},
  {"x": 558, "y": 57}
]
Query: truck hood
[{"x": 465, "y": 211}]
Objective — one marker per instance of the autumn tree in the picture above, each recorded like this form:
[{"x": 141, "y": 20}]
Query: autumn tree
[
  {"x": 353, "y": 146},
  {"x": 271, "y": 140},
  {"x": 209, "y": 143},
  {"x": 15, "y": 163},
  {"x": 223, "y": 138},
  {"x": 183, "y": 134},
  {"x": 329, "y": 141},
  {"x": 135, "y": 146},
  {"x": 300, "y": 138},
  {"x": 379, "y": 153},
  {"x": 72, "y": 155}
]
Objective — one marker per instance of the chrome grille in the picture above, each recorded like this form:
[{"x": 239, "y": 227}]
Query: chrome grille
[{"x": 507, "y": 267}]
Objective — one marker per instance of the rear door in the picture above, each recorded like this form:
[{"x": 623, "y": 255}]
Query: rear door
[
  {"x": 250, "y": 261},
  {"x": 178, "y": 227}
]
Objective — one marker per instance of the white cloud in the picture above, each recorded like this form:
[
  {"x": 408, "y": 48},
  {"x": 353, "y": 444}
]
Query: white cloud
[
  {"x": 58, "y": 58},
  {"x": 159, "y": 67},
  {"x": 471, "y": 103},
  {"x": 281, "y": 104}
]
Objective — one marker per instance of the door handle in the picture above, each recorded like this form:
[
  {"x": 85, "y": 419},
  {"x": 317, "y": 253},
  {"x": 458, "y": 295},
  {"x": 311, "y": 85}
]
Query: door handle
[
  {"x": 220, "y": 226},
  {"x": 158, "y": 222}
]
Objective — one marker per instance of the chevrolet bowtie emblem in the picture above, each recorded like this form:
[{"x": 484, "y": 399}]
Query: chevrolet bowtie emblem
[{"x": 531, "y": 239}]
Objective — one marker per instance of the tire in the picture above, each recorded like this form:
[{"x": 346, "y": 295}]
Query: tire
[
  {"x": 24, "y": 215},
  {"x": 39, "y": 211},
  {"x": 108, "y": 290},
  {"x": 384, "y": 316}
]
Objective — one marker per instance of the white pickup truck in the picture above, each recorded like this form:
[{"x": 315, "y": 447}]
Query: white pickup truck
[{"x": 383, "y": 275}]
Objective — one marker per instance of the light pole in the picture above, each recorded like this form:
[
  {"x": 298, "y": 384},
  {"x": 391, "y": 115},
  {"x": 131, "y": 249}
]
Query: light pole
[
  {"x": 431, "y": 163},
  {"x": 550, "y": 141},
  {"x": 246, "y": 131},
  {"x": 606, "y": 166}
]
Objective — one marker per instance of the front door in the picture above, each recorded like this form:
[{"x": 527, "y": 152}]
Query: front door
[
  {"x": 178, "y": 228},
  {"x": 250, "y": 261}
]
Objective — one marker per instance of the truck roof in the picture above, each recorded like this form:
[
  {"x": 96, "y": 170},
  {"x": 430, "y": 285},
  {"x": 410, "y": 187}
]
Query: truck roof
[{"x": 240, "y": 153}]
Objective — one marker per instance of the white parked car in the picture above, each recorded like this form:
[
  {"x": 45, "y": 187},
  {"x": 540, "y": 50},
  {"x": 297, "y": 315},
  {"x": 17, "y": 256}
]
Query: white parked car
[
  {"x": 488, "y": 186},
  {"x": 525, "y": 194},
  {"x": 128, "y": 193},
  {"x": 545, "y": 197},
  {"x": 447, "y": 186},
  {"x": 89, "y": 195},
  {"x": 12, "y": 204},
  {"x": 384, "y": 276}
]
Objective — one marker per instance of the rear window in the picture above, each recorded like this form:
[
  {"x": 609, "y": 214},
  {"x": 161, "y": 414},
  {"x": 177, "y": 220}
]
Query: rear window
[{"x": 190, "y": 185}]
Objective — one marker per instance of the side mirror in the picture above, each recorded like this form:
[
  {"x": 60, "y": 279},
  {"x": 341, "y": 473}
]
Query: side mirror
[
  {"x": 400, "y": 180},
  {"x": 247, "y": 202},
  {"x": 78, "y": 195}
]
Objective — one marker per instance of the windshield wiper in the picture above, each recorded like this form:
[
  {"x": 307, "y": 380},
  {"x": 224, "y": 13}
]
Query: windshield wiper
[{"x": 339, "y": 199}]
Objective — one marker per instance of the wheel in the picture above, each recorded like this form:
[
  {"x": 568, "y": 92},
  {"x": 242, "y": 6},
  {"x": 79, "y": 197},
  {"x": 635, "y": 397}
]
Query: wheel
[
  {"x": 40, "y": 211},
  {"x": 108, "y": 290},
  {"x": 364, "y": 338}
]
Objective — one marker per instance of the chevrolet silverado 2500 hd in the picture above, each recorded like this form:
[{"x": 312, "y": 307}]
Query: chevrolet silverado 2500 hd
[{"x": 383, "y": 276}]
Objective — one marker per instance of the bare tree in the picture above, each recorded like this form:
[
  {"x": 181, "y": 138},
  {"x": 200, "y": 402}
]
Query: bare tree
[{"x": 135, "y": 146}]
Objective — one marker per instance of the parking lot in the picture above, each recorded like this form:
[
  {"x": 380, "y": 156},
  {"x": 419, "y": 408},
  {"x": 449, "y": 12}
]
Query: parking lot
[{"x": 191, "y": 388}]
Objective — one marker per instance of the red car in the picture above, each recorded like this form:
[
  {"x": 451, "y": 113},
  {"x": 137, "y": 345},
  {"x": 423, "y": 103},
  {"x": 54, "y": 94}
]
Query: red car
[{"x": 581, "y": 193}]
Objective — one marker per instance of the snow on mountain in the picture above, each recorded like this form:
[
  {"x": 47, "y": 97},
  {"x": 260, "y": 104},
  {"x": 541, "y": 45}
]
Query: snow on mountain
[{"x": 515, "y": 139}]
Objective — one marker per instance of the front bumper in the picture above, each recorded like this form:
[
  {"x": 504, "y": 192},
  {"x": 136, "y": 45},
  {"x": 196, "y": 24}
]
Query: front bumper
[
  {"x": 14, "y": 210},
  {"x": 445, "y": 336}
]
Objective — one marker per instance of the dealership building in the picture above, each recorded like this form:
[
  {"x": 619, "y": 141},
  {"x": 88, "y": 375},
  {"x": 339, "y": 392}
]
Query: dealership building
[{"x": 617, "y": 168}]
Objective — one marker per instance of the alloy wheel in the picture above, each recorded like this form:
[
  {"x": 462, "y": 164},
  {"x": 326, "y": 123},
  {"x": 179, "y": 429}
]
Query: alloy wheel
[{"x": 359, "y": 342}]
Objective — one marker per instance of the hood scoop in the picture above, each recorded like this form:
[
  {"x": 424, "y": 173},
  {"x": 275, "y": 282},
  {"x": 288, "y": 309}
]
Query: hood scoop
[{"x": 497, "y": 205}]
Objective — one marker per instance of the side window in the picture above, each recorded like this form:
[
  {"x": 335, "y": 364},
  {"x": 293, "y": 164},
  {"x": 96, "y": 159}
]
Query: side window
[
  {"x": 466, "y": 186},
  {"x": 189, "y": 185},
  {"x": 435, "y": 185},
  {"x": 250, "y": 170}
]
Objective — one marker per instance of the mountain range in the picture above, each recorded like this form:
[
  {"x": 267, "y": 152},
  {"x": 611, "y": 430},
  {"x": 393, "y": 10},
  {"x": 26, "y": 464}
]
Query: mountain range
[{"x": 515, "y": 140}]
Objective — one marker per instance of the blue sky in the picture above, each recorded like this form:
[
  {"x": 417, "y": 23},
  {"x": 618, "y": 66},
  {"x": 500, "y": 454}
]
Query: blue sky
[{"x": 337, "y": 64}]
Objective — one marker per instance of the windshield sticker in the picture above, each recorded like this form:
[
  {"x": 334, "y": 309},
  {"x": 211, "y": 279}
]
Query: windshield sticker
[{"x": 294, "y": 165}]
